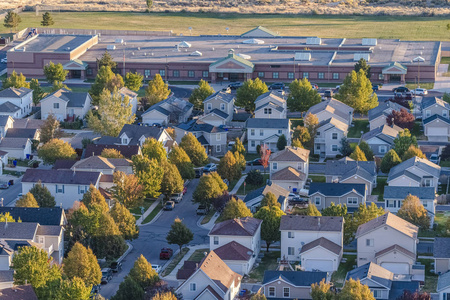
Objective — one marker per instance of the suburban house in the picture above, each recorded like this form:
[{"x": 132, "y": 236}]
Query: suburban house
[
  {"x": 29, "y": 133},
  {"x": 322, "y": 194},
  {"x": 390, "y": 242},
  {"x": 290, "y": 284},
  {"x": 66, "y": 186},
  {"x": 394, "y": 196},
  {"x": 23, "y": 292},
  {"x": 347, "y": 170},
  {"x": 435, "y": 118},
  {"x": 106, "y": 166},
  {"x": 18, "y": 148},
  {"x": 289, "y": 168},
  {"x": 441, "y": 254},
  {"x": 332, "y": 108},
  {"x": 218, "y": 109},
  {"x": 171, "y": 110},
  {"x": 314, "y": 241},
  {"x": 54, "y": 216},
  {"x": 415, "y": 172},
  {"x": 66, "y": 105},
  {"x": 328, "y": 137},
  {"x": 126, "y": 150},
  {"x": 377, "y": 115},
  {"x": 132, "y": 96},
  {"x": 443, "y": 286},
  {"x": 213, "y": 138},
  {"x": 237, "y": 242},
  {"x": 253, "y": 199},
  {"x": 434, "y": 106},
  {"x": 28, "y": 123},
  {"x": 381, "y": 139},
  {"x": 382, "y": 283},
  {"x": 213, "y": 280},
  {"x": 270, "y": 106},
  {"x": 15, "y": 102},
  {"x": 6, "y": 122},
  {"x": 266, "y": 132}
]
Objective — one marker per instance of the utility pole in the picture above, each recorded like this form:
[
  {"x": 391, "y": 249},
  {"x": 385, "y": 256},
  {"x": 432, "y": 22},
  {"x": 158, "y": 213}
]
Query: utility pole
[{"x": 165, "y": 73}]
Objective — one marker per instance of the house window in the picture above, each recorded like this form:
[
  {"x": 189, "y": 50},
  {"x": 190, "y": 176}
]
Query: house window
[
  {"x": 218, "y": 149},
  {"x": 376, "y": 293},
  {"x": 147, "y": 73},
  {"x": 299, "y": 166},
  {"x": 252, "y": 143},
  {"x": 56, "y": 105},
  {"x": 261, "y": 74},
  {"x": 318, "y": 133},
  {"x": 252, "y": 132},
  {"x": 428, "y": 182},
  {"x": 205, "y": 74},
  {"x": 60, "y": 189},
  {"x": 280, "y": 131},
  {"x": 291, "y": 251},
  {"x": 193, "y": 287},
  {"x": 290, "y": 235},
  {"x": 390, "y": 203},
  {"x": 176, "y": 73},
  {"x": 369, "y": 242},
  {"x": 88, "y": 71},
  {"x": 286, "y": 292},
  {"x": 41, "y": 240},
  {"x": 125, "y": 141},
  {"x": 317, "y": 200},
  {"x": 291, "y": 75},
  {"x": 275, "y": 75},
  {"x": 425, "y": 204},
  {"x": 334, "y": 136},
  {"x": 382, "y": 149},
  {"x": 428, "y": 113},
  {"x": 274, "y": 166},
  {"x": 261, "y": 132},
  {"x": 162, "y": 72},
  {"x": 352, "y": 200},
  {"x": 222, "y": 106},
  {"x": 334, "y": 148},
  {"x": 271, "y": 291},
  {"x": 335, "y": 76},
  {"x": 216, "y": 240},
  {"x": 208, "y": 106},
  {"x": 267, "y": 111},
  {"x": 191, "y": 74},
  {"x": 321, "y": 75},
  {"x": 218, "y": 137},
  {"x": 445, "y": 113},
  {"x": 82, "y": 189}
]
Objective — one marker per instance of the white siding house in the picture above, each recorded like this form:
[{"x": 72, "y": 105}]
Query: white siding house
[
  {"x": 16, "y": 103},
  {"x": 267, "y": 132}
]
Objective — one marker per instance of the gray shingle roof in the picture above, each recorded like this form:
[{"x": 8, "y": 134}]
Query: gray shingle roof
[
  {"x": 333, "y": 106},
  {"x": 391, "y": 220},
  {"x": 290, "y": 154},
  {"x": 386, "y": 133},
  {"x": 49, "y": 230},
  {"x": 8, "y": 107},
  {"x": 441, "y": 247},
  {"x": 238, "y": 227},
  {"x": 279, "y": 192},
  {"x": 126, "y": 150},
  {"x": 267, "y": 123},
  {"x": 73, "y": 99},
  {"x": 443, "y": 281},
  {"x": 61, "y": 176},
  {"x": 220, "y": 113},
  {"x": 271, "y": 95},
  {"x": 288, "y": 174},
  {"x": 173, "y": 104},
  {"x": 135, "y": 132},
  {"x": 335, "y": 122},
  {"x": 21, "y": 133},
  {"x": 429, "y": 101},
  {"x": 383, "y": 108},
  {"x": 41, "y": 215},
  {"x": 336, "y": 189},
  {"x": 4, "y": 120},
  {"x": 322, "y": 242},
  {"x": 225, "y": 97},
  {"x": 197, "y": 125},
  {"x": 341, "y": 167},
  {"x": 374, "y": 272},
  {"x": 295, "y": 278},
  {"x": 310, "y": 223},
  {"x": 14, "y": 93},
  {"x": 23, "y": 292},
  {"x": 272, "y": 105},
  {"x": 400, "y": 192},
  {"x": 13, "y": 143},
  {"x": 416, "y": 162},
  {"x": 7, "y": 276},
  {"x": 436, "y": 117},
  {"x": 17, "y": 231}
]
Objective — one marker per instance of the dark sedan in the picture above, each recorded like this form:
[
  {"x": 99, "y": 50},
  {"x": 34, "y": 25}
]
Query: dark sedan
[{"x": 255, "y": 162}]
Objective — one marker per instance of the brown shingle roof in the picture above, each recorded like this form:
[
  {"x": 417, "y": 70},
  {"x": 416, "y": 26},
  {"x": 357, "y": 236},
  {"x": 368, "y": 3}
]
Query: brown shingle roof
[
  {"x": 189, "y": 267},
  {"x": 240, "y": 227},
  {"x": 61, "y": 176},
  {"x": 391, "y": 220},
  {"x": 396, "y": 248},
  {"x": 212, "y": 291},
  {"x": 126, "y": 150},
  {"x": 94, "y": 162},
  {"x": 311, "y": 223},
  {"x": 322, "y": 242},
  {"x": 291, "y": 154},
  {"x": 288, "y": 174},
  {"x": 218, "y": 271},
  {"x": 22, "y": 292},
  {"x": 234, "y": 251}
]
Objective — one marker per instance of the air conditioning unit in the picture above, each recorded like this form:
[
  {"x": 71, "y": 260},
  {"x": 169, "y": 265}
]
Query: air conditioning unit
[
  {"x": 358, "y": 56},
  {"x": 369, "y": 42},
  {"x": 313, "y": 41},
  {"x": 303, "y": 56},
  {"x": 119, "y": 41},
  {"x": 111, "y": 47}
]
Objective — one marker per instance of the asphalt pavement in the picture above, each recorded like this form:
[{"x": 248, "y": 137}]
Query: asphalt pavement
[{"x": 10, "y": 194}]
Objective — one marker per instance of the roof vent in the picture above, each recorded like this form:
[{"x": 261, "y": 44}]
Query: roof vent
[
  {"x": 313, "y": 41},
  {"x": 303, "y": 56},
  {"x": 253, "y": 42},
  {"x": 111, "y": 47},
  {"x": 68, "y": 48},
  {"x": 196, "y": 53},
  {"x": 184, "y": 44},
  {"x": 119, "y": 41},
  {"x": 369, "y": 42},
  {"x": 358, "y": 56}
]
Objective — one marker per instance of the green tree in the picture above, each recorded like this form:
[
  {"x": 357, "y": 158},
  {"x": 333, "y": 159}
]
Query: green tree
[
  {"x": 149, "y": 173},
  {"x": 142, "y": 273},
  {"x": 127, "y": 189},
  {"x": 270, "y": 200},
  {"x": 296, "y": 143},
  {"x": 38, "y": 92},
  {"x": 15, "y": 81},
  {"x": 366, "y": 149},
  {"x": 114, "y": 111},
  {"x": 302, "y": 135},
  {"x": 93, "y": 196},
  {"x": 111, "y": 153},
  {"x": 364, "y": 214},
  {"x": 154, "y": 149},
  {"x": 312, "y": 210},
  {"x": 321, "y": 291},
  {"x": 235, "y": 209},
  {"x": 302, "y": 96},
  {"x": 208, "y": 189},
  {"x": 125, "y": 221},
  {"x": 55, "y": 72},
  {"x": 412, "y": 152},
  {"x": 12, "y": 20},
  {"x": 57, "y": 85},
  {"x": 105, "y": 79},
  {"x": 248, "y": 92},
  {"x": 47, "y": 19},
  {"x": 72, "y": 289},
  {"x": 238, "y": 146},
  {"x": 282, "y": 142},
  {"x": 200, "y": 93},
  {"x": 149, "y": 3},
  {"x": 171, "y": 182},
  {"x": 355, "y": 290},
  {"x": 240, "y": 161},
  {"x": 181, "y": 160},
  {"x": 157, "y": 90},
  {"x": 413, "y": 211},
  {"x": 107, "y": 61},
  {"x": 56, "y": 149},
  {"x": 27, "y": 200},
  {"x": 129, "y": 289},
  {"x": 362, "y": 65},
  {"x": 50, "y": 129},
  {"x": 311, "y": 122},
  {"x": 335, "y": 210},
  {"x": 358, "y": 154},
  {"x": 179, "y": 234},
  {"x": 6, "y": 217},
  {"x": 403, "y": 141},
  {"x": 270, "y": 227},
  {"x": 345, "y": 148},
  {"x": 228, "y": 167},
  {"x": 258, "y": 296},
  {"x": 82, "y": 263},
  {"x": 194, "y": 150},
  {"x": 356, "y": 92},
  {"x": 389, "y": 161},
  {"x": 42, "y": 195},
  {"x": 133, "y": 81}
]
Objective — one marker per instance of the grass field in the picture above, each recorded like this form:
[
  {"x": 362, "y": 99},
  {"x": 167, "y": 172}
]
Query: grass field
[
  {"x": 359, "y": 125},
  {"x": 268, "y": 262},
  {"x": 405, "y": 28}
]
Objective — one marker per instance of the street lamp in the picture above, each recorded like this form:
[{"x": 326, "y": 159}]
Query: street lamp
[
  {"x": 165, "y": 73},
  {"x": 227, "y": 29},
  {"x": 190, "y": 31},
  {"x": 418, "y": 59}
]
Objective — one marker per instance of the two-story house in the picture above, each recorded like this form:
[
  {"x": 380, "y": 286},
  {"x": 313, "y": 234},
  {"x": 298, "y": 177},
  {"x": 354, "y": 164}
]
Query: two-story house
[
  {"x": 381, "y": 139},
  {"x": 218, "y": 109},
  {"x": 66, "y": 105},
  {"x": 289, "y": 168},
  {"x": 441, "y": 254},
  {"x": 394, "y": 196},
  {"x": 6, "y": 122},
  {"x": 377, "y": 115},
  {"x": 314, "y": 241},
  {"x": 213, "y": 138},
  {"x": 415, "y": 172},
  {"x": 270, "y": 106},
  {"x": 128, "y": 151},
  {"x": 328, "y": 137},
  {"x": 390, "y": 242},
  {"x": 106, "y": 166},
  {"x": 443, "y": 286},
  {"x": 332, "y": 108},
  {"x": 171, "y": 110},
  {"x": 435, "y": 118},
  {"x": 132, "y": 97},
  {"x": 267, "y": 132},
  {"x": 253, "y": 199},
  {"x": 322, "y": 194},
  {"x": 213, "y": 280},
  {"x": 16, "y": 103},
  {"x": 237, "y": 242}
]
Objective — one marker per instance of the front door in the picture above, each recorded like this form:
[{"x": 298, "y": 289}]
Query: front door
[
  {"x": 394, "y": 78},
  {"x": 76, "y": 74}
]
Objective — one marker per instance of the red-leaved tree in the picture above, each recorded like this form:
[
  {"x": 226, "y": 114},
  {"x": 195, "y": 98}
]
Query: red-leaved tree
[
  {"x": 402, "y": 118},
  {"x": 407, "y": 295},
  {"x": 265, "y": 155}
]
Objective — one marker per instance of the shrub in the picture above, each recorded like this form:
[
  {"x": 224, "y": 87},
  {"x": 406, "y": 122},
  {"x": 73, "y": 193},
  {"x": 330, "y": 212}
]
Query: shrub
[{"x": 254, "y": 177}]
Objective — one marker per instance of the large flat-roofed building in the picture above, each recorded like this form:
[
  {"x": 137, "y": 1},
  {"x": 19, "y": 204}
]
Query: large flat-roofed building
[{"x": 262, "y": 53}]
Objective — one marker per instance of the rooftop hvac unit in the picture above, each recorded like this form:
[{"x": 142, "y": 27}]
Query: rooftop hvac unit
[
  {"x": 303, "y": 56},
  {"x": 111, "y": 47},
  {"x": 184, "y": 45},
  {"x": 358, "y": 56},
  {"x": 196, "y": 53},
  {"x": 244, "y": 56},
  {"x": 253, "y": 41},
  {"x": 119, "y": 41},
  {"x": 313, "y": 41},
  {"x": 369, "y": 42}
]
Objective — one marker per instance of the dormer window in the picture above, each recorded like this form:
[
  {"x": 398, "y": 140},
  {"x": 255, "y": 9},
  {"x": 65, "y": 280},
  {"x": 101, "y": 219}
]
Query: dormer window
[{"x": 124, "y": 141}]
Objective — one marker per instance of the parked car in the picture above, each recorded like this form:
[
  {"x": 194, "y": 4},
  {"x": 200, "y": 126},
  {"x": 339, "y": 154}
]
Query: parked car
[
  {"x": 400, "y": 89},
  {"x": 434, "y": 158},
  {"x": 116, "y": 266},
  {"x": 210, "y": 168},
  {"x": 4, "y": 185},
  {"x": 420, "y": 92},
  {"x": 255, "y": 162},
  {"x": 235, "y": 85},
  {"x": 276, "y": 86},
  {"x": 106, "y": 275},
  {"x": 4, "y": 60},
  {"x": 95, "y": 289},
  {"x": 176, "y": 197},
  {"x": 408, "y": 96},
  {"x": 328, "y": 94},
  {"x": 202, "y": 210},
  {"x": 398, "y": 95},
  {"x": 157, "y": 268},
  {"x": 198, "y": 173},
  {"x": 170, "y": 205},
  {"x": 375, "y": 87},
  {"x": 166, "y": 253},
  {"x": 315, "y": 86}
]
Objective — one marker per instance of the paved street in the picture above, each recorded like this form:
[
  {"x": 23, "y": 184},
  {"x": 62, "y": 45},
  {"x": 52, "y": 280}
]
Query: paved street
[{"x": 10, "y": 194}]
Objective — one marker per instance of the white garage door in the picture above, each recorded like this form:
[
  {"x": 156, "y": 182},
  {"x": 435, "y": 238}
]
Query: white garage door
[
  {"x": 319, "y": 264},
  {"x": 442, "y": 131},
  {"x": 152, "y": 121},
  {"x": 396, "y": 268}
]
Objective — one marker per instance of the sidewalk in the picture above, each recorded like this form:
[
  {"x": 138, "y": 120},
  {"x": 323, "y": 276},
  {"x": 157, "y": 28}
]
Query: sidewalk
[
  {"x": 238, "y": 185},
  {"x": 210, "y": 224},
  {"x": 173, "y": 274},
  {"x": 147, "y": 212}
]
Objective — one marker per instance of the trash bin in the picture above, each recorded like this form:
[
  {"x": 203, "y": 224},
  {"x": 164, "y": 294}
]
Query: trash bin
[
  {"x": 15, "y": 163},
  {"x": 28, "y": 156}
]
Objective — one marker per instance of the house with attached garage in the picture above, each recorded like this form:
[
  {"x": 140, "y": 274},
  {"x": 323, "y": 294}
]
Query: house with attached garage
[
  {"x": 237, "y": 242},
  {"x": 435, "y": 118},
  {"x": 289, "y": 168},
  {"x": 390, "y": 242},
  {"x": 290, "y": 284},
  {"x": 377, "y": 115},
  {"x": 443, "y": 286},
  {"x": 415, "y": 171},
  {"x": 18, "y": 148},
  {"x": 66, "y": 105},
  {"x": 6, "y": 122},
  {"x": 266, "y": 132},
  {"x": 314, "y": 241},
  {"x": 441, "y": 254},
  {"x": 347, "y": 170},
  {"x": 15, "y": 102},
  {"x": 328, "y": 137},
  {"x": 253, "y": 199},
  {"x": 382, "y": 283},
  {"x": 381, "y": 139},
  {"x": 434, "y": 106},
  {"x": 270, "y": 106},
  {"x": 132, "y": 97},
  {"x": 213, "y": 280},
  {"x": 218, "y": 109},
  {"x": 171, "y": 110},
  {"x": 332, "y": 108},
  {"x": 322, "y": 194},
  {"x": 394, "y": 196}
]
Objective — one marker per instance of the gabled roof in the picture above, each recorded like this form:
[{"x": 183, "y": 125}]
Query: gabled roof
[
  {"x": 73, "y": 99},
  {"x": 374, "y": 272},
  {"x": 415, "y": 162},
  {"x": 22, "y": 292},
  {"x": 12, "y": 92},
  {"x": 346, "y": 166},
  {"x": 436, "y": 117},
  {"x": 21, "y": 133},
  {"x": 61, "y": 177},
  {"x": 295, "y": 278},
  {"x": 441, "y": 247},
  {"x": 429, "y": 101},
  {"x": 333, "y": 106},
  {"x": 219, "y": 113},
  {"x": 14, "y": 143},
  {"x": 290, "y": 154},
  {"x": 397, "y": 65},
  {"x": 234, "y": 251},
  {"x": 272, "y": 97},
  {"x": 383, "y": 108},
  {"x": 264, "y": 29},
  {"x": 280, "y": 193},
  {"x": 237, "y": 227},
  {"x": 391, "y": 220},
  {"x": 336, "y": 189},
  {"x": 64, "y": 164},
  {"x": 8, "y": 107},
  {"x": 219, "y": 272},
  {"x": 443, "y": 281},
  {"x": 127, "y": 92},
  {"x": 311, "y": 223},
  {"x": 271, "y": 105},
  {"x": 18, "y": 231},
  {"x": 358, "y": 171},
  {"x": 169, "y": 105},
  {"x": 212, "y": 293},
  {"x": 236, "y": 58},
  {"x": 335, "y": 122},
  {"x": 135, "y": 132},
  {"x": 222, "y": 96},
  {"x": 400, "y": 192},
  {"x": 93, "y": 162},
  {"x": 28, "y": 123},
  {"x": 41, "y": 215},
  {"x": 267, "y": 123},
  {"x": 385, "y": 133},
  {"x": 395, "y": 248},
  {"x": 197, "y": 125},
  {"x": 54, "y": 230},
  {"x": 4, "y": 120},
  {"x": 324, "y": 243},
  {"x": 288, "y": 174},
  {"x": 126, "y": 150}
]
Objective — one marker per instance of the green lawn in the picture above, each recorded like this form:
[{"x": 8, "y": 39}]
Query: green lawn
[
  {"x": 316, "y": 178},
  {"x": 153, "y": 214},
  {"x": 417, "y": 131},
  {"x": 146, "y": 204},
  {"x": 379, "y": 190},
  {"x": 175, "y": 261},
  {"x": 325, "y": 26},
  {"x": 338, "y": 277},
  {"x": 445, "y": 163},
  {"x": 198, "y": 255},
  {"x": 424, "y": 85},
  {"x": 249, "y": 187},
  {"x": 13, "y": 173},
  {"x": 208, "y": 216},
  {"x": 251, "y": 156},
  {"x": 359, "y": 125},
  {"x": 268, "y": 262},
  {"x": 430, "y": 278},
  {"x": 445, "y": 60}
]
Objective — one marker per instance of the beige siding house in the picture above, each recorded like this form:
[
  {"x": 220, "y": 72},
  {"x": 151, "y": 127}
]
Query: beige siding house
[
  {"x": 328, "y": 137},
  {"x": 270, "y": 106},
  {"x": 332, "y": 108},
  {"x": 377, "y": 115},
  {"x": 441, "y": 254},
  {"x": 218, "y": 109},
  {"x": 323, "y": 194},
  {"x": 66, "y": 105}
]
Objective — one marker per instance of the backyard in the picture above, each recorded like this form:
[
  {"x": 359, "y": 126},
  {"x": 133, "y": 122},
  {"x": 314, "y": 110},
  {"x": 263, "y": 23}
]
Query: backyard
[
  {"x": 268, "y": 262},
  {"x": 338, "y": 277},
  {"x": 244, "y": 189},
  {"x": 358, "y": 126}
]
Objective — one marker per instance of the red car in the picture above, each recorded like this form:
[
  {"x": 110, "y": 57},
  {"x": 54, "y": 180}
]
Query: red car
[
  {"x": 184, "y": 190},
  {"x": 166, "y": 253}
]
